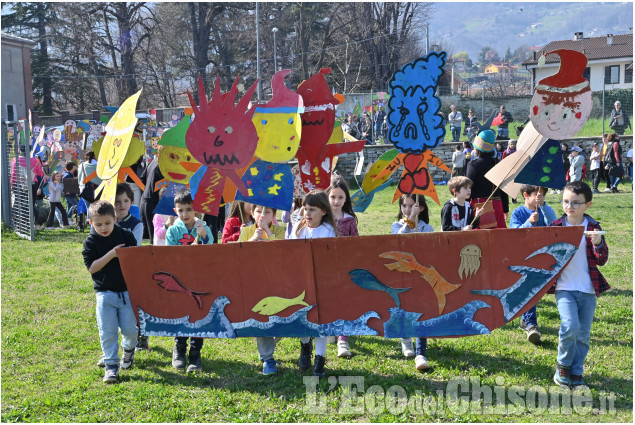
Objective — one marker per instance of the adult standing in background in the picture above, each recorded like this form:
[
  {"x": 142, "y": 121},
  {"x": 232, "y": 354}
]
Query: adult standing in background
[
  {"x": 471, "y": 125},
  {"x": 503, "y": 128},
  {"x": 604, "y": 173},
  {"x": 613, "y": 161},
  {"x": 379, "y": 120},
  {"x": 456, "y": 119},
  {"x": 619, "y": 119},
  {"x": 150, "y": 198}
]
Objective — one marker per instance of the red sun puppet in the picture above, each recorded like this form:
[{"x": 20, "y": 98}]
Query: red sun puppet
[
  {"x": 315, "y": 156},
  {"x": 223, "y": 139}
]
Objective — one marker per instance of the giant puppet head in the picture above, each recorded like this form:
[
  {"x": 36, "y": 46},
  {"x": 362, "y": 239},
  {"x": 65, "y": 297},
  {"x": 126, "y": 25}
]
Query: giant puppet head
[
  {"x": 562, "y": 102},
  {"x": 175, "y": 162},
  {"x": 222, "y": 135},
  {"x": 278, "y": 122},
  {"x": 318, "y": 118},
  {"x": 413, "y": 109}
]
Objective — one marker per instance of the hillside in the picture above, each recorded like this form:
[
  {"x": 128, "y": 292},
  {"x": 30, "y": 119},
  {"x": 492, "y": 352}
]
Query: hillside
[{"x": 472, "y": 25}]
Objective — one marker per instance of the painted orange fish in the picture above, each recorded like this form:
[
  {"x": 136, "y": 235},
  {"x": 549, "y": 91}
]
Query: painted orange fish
[
  {"x": 169, "y": 282},
  {"x": 407, "y": 262}
]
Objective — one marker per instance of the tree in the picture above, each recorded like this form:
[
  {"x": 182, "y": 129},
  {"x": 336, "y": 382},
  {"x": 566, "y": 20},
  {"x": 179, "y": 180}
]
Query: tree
[{"x": 508, "y": 55}]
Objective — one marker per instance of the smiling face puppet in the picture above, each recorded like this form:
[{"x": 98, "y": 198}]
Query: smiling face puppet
[
  {"x": 562, "y": 102},
  {"x": 278, "y": 122},
  {"x": 175, "y": 162}
]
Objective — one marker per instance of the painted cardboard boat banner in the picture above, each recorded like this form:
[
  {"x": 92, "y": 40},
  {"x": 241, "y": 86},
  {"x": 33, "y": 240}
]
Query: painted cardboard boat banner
[{"x": 441, "y": 284}]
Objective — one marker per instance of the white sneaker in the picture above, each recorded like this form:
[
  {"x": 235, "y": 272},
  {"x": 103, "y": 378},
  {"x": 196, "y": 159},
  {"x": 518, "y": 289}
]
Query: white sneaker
[
  {"x": 406, "y": 348},
  {"x": 608, "y": 189},
  {"x": 343, "y": 349},
  {"x": 559, "y": 192},
  {"x": 421, "y": 363}
]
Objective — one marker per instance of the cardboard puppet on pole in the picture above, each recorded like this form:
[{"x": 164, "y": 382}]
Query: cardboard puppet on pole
[
  {"x": 315, "y": 155},
  {"x": 560, "y": 107},
  {"x": 444, "y": 284},
  {"x": 268, "y": 180},
  {"x": 415, "y": 126},
  {"x": 223, "y": 138}
]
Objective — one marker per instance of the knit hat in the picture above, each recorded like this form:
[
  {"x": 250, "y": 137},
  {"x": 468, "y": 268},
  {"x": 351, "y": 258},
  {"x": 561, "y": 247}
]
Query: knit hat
[
  {"x": 485, "y": 141},
  {"x": 576, "y": 149},
  {"x": 569, "y": 77}
]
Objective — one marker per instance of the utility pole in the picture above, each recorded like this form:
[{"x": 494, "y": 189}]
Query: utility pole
[{"x": 258, "y": 52}]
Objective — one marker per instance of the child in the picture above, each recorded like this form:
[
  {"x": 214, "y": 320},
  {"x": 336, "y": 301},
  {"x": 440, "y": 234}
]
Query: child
[
  {"x": 114, "y": 310},
  {"x": 595, "y": 167},
  {"x": 458, "y": 158},
  {"x": 239, "y": 211},
  {"x": 55, "y": 196},
  {"x": 263, "y": 228},
  {"x": 457, "y": 214},
  {"x": 123, "y": 202},
  {"x": 71, "y": 198},
  {"x": 411, "y": 210},
  {"x": 184, "y": 231},
  {"x": 535, "y": 213},
  {"x": 578, "y": 286},
  {"x": 161, "y": 224},
  {"x": 317, "y": 222},
  {"x": 346, "y": 221},
  {"x": 577, "y": 162}
]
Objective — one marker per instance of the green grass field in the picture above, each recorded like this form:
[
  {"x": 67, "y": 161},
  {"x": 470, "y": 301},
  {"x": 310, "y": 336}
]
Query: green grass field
[{"x": 50, "y": 346}]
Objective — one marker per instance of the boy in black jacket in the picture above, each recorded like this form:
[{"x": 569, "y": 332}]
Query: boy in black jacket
[{"x": 114, "y": 310}]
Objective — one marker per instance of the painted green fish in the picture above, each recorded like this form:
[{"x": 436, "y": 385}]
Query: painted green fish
[{"x": 273, "y": 305}]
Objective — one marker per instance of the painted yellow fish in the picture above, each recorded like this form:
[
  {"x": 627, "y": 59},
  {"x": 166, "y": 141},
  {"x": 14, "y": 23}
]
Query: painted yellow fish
[
  {"x": 273, "y": 305},
  {"x": 407, "y": 262}
]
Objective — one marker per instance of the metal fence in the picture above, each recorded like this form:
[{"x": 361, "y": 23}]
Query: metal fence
[{"x": 18, "y": 210}]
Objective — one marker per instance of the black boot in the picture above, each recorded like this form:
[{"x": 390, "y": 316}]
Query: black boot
[
  {"x": 318, "y": 369},
  {"x": 195, "y": 361},
  {"x": 306, "y": 350},
  {"x": 178, "y": 354}
]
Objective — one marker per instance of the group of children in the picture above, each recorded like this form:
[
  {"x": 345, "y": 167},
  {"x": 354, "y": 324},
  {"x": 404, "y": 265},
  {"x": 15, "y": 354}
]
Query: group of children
[{"x": 323, "y": 214}]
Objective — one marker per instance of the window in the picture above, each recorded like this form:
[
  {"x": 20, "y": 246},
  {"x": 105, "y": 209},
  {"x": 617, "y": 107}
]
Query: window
[
  {"x": 612, "y": 74},
  {"x": 628, "y": 74},
  {"x": 587, "y": 73},
  {"x": 10, "y": 112}
]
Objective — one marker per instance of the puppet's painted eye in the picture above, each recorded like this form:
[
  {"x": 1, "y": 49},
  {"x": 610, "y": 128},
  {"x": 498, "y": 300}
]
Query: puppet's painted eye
[
  {"x": 211, "y": 129},
  {"x": 564, "y": 116},
  {"x": 229, "y": 130},
  {"x": 290, "y": 120},
  {"x": 263, "y": 122},
  {"x": 189, "y": 158}
]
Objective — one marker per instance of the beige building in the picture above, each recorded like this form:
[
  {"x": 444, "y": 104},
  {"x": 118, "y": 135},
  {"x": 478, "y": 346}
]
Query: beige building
[{"x": 17, "y": 85}]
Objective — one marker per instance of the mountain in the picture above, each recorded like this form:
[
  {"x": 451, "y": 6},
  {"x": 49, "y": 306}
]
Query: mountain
[{"x": 470, "y": 26}]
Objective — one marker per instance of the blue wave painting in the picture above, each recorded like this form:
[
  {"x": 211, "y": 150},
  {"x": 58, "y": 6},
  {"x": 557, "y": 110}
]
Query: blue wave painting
[
  {"x": 404, "y": 324},
  {"x": 298, "y": 325},
  {"x": 214, "y": 325},
  {"x": 532, "y": 280}
]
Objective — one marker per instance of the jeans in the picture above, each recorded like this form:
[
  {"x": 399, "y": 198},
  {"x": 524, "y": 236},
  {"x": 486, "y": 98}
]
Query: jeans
[
  {"x": 615, "y": 181},
  {"x": 114, "y": 313},
  {"x": 471, "y": 132},
  {"x": 503, "y": 132},
  {"x": 630, "y": 173},
  {"x": 531, "y": 318},
  {"x": 456, "y": 133},
  {"x": 595, "y": 178},
  {"x": 71, "y": 201},
  {"x": 576, "y": 316},
  {"x": 266, "y": 346}
]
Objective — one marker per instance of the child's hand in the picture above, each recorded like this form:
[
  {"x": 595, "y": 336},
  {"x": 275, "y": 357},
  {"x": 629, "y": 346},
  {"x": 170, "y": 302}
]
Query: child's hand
[
  {"x": 533, "y": 218},
  {"x": 416, "y": 209},
  {"x": 468, "y": 227},
  {"x": 540, "y": 198},
  {"x": 257, "y": 234},
  {"x": 596, "y": 239},
  {"x": 170, "y": 220},
  {"x": 113, "y": 251},
  {"x": 200, "y": 229},
  {"x": 262, "y": 225},
  {"x": 478, "y": 213}
]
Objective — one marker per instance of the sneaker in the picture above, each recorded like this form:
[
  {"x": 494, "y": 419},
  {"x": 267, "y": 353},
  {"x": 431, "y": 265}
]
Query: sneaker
[
  {"x": 101, "y": 362},
  {"x": 331, "y": 340},
  {"x": 128, "y": 359},
  {"x": 195, "y": 361},
  {"x": 523, "y": 325},
  {"x": 318, "y": 369},
  {"x": 304, "y": 361},
  {"x": 178, "y": 356},
  {"x": 421, "y": 363},
  {"x": 576, "y": 381},
  {"x": 614, "y": 189},
  {"x": 558, "y": 191},
  {"x": 111, "y": 374},
  {"x": 596, "y": 191},
  {"x": 269, "y": 367},
  {"x": 608, "y": 189},
  {"x": 142, "y": 343},
  {"x": 406, "y": 348},
  {"x": 533, "y": 335},
  {"x": 342, "y": 349},
  {"x": 561, "y": 376}
]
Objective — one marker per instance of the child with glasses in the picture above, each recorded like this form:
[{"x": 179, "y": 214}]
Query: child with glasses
[{"x": 578, "y": 286}]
